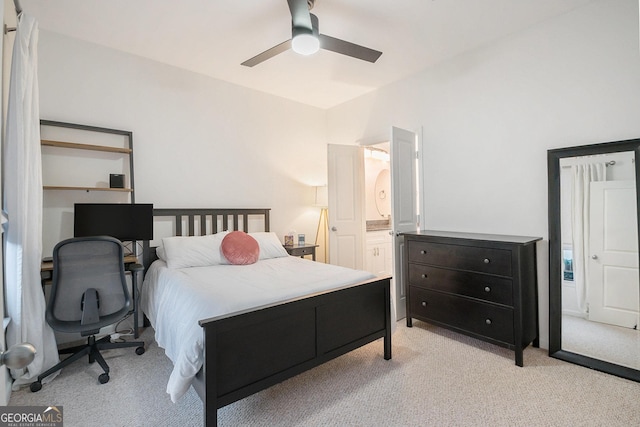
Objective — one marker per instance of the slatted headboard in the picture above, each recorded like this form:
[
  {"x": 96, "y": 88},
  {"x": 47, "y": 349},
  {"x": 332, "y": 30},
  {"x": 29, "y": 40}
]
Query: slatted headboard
[{"x": 200, "y": 222}]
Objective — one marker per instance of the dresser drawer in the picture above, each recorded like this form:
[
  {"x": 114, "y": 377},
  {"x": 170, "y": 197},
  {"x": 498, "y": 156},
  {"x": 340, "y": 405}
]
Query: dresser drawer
[
  {"x": 481, "y": 318},
  {"x": 489, "y": 288},
  {"x": 483, "y": 260}
]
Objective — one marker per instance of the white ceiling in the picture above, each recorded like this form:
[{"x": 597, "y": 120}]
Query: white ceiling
[{"x": 213, "y": 37}]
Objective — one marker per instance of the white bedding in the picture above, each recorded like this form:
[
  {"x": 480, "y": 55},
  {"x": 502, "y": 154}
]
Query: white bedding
[{"x": 175, "y": 299}]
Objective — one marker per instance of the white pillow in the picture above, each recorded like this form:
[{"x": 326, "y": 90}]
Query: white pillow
[
  {"x": 194, "y": 251},
  {"x": 161, "y": 254},
  {"x": 270, "y": 245}
]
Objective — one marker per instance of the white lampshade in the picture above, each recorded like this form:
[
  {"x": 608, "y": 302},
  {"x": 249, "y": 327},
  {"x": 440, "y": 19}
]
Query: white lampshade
[
  {"x": 305, "y": 44},
  {"x": 322, "y": 196}
]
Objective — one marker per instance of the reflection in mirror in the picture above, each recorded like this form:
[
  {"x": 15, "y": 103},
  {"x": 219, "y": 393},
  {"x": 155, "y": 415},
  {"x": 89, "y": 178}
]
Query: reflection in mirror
[
  {"x": 593, "y": 234},
  {"x": 382, "y": 193},
  {"x": 600, "y": 284}
]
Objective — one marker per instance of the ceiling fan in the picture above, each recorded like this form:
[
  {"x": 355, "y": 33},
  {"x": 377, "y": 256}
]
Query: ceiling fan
[{"x": 306, "y": 39}]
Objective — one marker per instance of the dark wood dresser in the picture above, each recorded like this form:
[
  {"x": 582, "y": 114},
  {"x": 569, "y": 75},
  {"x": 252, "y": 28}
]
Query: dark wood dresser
[{"x": 482, "y": 285}]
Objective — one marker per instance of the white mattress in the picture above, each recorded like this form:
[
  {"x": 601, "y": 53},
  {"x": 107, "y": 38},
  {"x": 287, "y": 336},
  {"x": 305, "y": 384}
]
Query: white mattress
[{"x": 175, "y": 299}]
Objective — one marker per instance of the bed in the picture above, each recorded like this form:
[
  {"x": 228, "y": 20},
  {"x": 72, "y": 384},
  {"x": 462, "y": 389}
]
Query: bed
[{"x": 244, "y": 344}]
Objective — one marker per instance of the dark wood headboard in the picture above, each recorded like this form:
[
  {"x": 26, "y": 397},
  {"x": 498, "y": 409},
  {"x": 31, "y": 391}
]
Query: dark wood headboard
[{"x": 200, "y": 222}]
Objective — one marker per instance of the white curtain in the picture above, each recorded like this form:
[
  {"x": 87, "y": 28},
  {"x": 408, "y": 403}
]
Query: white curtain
[
  {"x": 23, "y": 205},
  {"x": 583, "y": 175}
]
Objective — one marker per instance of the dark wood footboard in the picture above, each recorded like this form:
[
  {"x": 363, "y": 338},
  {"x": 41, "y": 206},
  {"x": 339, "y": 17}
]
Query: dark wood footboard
[{"x": 249, "y": 351}]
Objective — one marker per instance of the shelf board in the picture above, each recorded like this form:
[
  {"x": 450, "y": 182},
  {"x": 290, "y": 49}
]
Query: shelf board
[
  {"x": 55, "y": 187},
  {"x": 76, "y": 146}
]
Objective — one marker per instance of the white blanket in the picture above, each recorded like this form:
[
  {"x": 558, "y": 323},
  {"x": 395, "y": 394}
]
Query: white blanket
[{"x": 175, "y": 299}]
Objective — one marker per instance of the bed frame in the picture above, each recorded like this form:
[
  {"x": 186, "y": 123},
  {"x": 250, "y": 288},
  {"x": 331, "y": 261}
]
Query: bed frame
[{"x": 251, "y": 350}]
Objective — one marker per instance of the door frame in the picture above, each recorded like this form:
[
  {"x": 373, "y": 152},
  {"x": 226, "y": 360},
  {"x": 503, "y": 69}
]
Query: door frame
[{"x": 380, "y": 139}]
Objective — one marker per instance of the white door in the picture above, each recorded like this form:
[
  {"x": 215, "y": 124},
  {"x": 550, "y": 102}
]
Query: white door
[
  {"x": 404, "y": 205},
  {"x": 346, "y": 205},
  {"x": 613, "y": 291}
]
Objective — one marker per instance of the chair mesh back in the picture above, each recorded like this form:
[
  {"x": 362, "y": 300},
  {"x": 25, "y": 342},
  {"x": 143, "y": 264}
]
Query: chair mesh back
[{"x": 80, "y": 264}]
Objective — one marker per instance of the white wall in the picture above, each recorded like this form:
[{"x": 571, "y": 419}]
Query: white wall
[
  {"x": 489, "y": 116},
  {"x": 198, "y": 142}
]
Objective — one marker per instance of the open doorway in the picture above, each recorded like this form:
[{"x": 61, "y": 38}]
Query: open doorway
[
  {"x": 378, "y": 254},
  {"x": 389, "y": 209}
]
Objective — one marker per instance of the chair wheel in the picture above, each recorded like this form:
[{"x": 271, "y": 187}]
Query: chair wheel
[
  {"x": 36, "y": 386},
  {"x": 140, "y": 350},
  {"x": 103, "y": 378}
]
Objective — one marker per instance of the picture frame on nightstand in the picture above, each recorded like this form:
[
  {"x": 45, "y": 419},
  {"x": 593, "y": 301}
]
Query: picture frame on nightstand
[{"x": 288, "y": 240}]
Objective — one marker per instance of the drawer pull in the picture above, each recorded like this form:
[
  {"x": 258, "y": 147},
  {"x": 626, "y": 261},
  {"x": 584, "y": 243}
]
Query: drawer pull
[
  {"x": 423, "y": 303},
  {"x": 487, "y": 289},
  {"x": 424, "y": 276},
  {"x": 487, "y": 260},
  {"x": 487, "y": 321},
  {"x": 423, "y": 252}
]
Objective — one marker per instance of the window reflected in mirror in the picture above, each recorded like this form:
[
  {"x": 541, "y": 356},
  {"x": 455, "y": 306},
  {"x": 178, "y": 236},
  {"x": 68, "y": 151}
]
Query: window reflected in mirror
[{"x": 567, "y": 264}]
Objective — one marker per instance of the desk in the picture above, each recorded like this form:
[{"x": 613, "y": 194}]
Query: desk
[{"x": 130, "y": 264}]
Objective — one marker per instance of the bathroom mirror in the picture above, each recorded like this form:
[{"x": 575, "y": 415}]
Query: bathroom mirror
[
  {"x": 594, "y": 286},
  {"x": 382, "y": 196}
]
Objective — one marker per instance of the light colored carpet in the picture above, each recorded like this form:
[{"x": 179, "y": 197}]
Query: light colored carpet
[
  {"x": 436, "y": 378},
  {"x": 611, "y": 343}
]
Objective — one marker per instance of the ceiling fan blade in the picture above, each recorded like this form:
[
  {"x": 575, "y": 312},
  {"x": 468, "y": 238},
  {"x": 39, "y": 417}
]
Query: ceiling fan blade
[
  {"x": 269, "y": 53},
  {"x": 300, "y": 15},
  {"x": 349, "y": 49}
]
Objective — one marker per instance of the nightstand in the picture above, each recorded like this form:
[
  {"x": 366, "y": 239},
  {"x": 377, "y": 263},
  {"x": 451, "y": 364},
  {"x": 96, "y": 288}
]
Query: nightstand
[{"x": 303, "y": 250}]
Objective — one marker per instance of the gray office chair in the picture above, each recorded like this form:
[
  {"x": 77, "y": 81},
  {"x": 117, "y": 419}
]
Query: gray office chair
[{"x": 89, "y": 292}]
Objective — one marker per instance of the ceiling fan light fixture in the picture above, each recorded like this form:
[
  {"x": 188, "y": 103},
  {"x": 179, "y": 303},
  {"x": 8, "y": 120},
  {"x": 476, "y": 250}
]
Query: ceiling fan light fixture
[
  {"x": 305, "y": 44},
  {"x": 307, "y": 40}
]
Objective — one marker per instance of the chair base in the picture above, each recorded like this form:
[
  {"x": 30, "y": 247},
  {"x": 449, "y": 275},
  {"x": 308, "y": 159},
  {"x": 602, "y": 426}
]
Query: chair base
[{"x": 92, "y": 349}]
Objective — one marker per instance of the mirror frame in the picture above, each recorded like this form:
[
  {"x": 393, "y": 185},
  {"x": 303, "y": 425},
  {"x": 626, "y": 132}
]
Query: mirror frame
[{"x": 555, "y": 251}]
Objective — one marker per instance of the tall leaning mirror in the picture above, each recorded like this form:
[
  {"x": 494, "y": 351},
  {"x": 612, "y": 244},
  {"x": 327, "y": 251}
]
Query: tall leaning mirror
[{"x": 594, "y": 286}]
